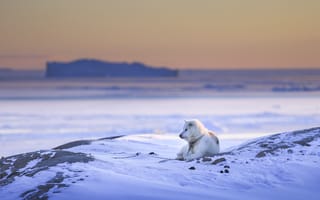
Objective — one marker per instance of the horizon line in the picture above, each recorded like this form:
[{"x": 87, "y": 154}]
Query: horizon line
[
  {"x": 191, "y": 69},
  {"x": 200, "y": 68}
]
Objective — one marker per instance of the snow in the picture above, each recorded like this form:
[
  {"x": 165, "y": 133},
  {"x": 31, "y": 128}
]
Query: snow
[
  {"x": 29, "y": 125},
  {"x": 143, "y": 167},
  {"x": 127, "y": 174},
  {"x": 42, "y": 114}
]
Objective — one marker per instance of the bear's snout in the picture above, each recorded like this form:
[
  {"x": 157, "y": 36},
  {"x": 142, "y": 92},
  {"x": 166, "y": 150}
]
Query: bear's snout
[{"x": 181, "y": 136}]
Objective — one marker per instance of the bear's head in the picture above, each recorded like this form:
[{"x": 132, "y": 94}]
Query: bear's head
[{"x": 192, "y": 130}]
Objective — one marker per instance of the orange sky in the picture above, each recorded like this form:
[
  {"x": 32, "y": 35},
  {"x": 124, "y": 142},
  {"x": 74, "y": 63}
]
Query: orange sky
[{"x": 216, "y": 34}]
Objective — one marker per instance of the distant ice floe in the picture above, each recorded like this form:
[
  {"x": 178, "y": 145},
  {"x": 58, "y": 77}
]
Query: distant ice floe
[
  {"x": 296, "y": 88},
  {"x": 210, "y": 83}
]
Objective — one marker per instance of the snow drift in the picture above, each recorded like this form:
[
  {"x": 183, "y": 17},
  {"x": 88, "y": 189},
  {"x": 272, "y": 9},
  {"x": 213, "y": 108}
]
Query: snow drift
[{"x": 284, "y": 165}]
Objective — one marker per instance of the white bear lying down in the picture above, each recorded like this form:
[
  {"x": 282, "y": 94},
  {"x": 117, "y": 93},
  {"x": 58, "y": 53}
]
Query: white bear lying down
[{"x": 201, "y": 141}]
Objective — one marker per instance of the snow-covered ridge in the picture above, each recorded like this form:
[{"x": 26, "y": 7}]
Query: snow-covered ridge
[
  {"x": 303, "y": 141},
  {"x": 284, "y": 165}
]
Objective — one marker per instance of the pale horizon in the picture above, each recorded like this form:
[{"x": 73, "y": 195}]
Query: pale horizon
[{"x": 177, "y": 34}]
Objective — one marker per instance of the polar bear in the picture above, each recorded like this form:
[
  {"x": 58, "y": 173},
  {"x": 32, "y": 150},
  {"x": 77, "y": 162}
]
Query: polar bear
[{"x": 201, "y": 141}]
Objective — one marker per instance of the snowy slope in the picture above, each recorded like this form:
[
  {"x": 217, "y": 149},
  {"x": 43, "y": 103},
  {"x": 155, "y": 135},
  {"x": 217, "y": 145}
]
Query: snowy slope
[{"x": 279, "y": 166}]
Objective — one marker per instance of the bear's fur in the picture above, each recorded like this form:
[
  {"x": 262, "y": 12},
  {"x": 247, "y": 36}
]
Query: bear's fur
[{"x": 201, "y": 141}]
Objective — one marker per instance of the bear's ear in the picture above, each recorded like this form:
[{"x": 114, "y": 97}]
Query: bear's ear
[{"x": 185, "y": 120}]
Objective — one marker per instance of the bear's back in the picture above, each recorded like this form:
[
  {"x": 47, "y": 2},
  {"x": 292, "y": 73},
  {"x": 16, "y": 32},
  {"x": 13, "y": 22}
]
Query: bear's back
[{"x": 211, "y": 133}]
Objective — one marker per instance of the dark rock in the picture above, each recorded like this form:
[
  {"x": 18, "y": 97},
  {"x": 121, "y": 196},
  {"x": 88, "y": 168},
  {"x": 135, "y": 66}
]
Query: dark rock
[
  {"x": 74, "y": 144},
  {"x": 305, "y": 141},
  {"x": 221, "y": 171},
  {"x": 219, "y": 160},
  {"x": 110, "y": 138},
  {"x": 206, "y": 159},
  {"x": 282, "y": 146},
  {"x": 226, "y": 171},
  {"x": 192, "y": 168},
  {"x": 290, "y": 151},
  {"x": 47, "y": 159},
  {"x": 272, "y": 145},
  {"x": 152, "y": 153},
  {"x": 227, "y": 166},
  {"x": 84, "y": 142},
  {"x": 261, "y": 154},
  {"x": 299, "y": 132},
  {"x": 263, "y": 145},
  {"x": 41, "y": 191}
]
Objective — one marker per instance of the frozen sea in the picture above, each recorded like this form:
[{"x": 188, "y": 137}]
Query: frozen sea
[{"x": 38, "y": 113}]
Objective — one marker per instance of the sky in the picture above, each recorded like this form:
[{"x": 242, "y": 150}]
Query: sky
[{"x": 181, "y": 34}]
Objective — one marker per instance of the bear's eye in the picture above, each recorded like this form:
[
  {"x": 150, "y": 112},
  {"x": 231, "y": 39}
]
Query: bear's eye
[{"x": 185, "y": 129}]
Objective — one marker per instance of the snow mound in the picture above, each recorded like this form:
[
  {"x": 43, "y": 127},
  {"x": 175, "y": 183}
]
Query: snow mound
[
  {"x": 284, "y": 165},
  {"x": 298, "y": 142}
]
